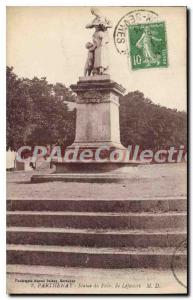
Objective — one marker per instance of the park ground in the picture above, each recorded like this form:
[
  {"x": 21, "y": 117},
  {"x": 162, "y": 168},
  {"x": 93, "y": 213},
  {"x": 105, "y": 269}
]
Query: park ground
[
  {"x": 168, "y": 180},
  {"x": 154, "y": 180}
]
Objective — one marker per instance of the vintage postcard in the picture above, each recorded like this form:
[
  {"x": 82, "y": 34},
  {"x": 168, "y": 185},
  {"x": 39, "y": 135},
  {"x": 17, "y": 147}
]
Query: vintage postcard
[{"x": 96, "y": 150}]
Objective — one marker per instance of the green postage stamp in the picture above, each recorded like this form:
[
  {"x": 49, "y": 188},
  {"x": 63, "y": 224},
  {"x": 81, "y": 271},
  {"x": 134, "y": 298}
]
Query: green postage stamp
[{"x": 148, "y": 45}]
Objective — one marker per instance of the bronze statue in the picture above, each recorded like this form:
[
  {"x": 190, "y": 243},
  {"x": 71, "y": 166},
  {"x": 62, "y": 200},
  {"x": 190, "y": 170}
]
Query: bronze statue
[{"x": 98, "y": 60}]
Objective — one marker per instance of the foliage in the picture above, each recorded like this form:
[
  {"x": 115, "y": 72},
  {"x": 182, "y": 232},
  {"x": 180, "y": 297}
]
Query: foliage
[
  {"x": 19, "y": 110},
  {"x": 37, "y": 113},
  {"x": 150, "y": 125}
]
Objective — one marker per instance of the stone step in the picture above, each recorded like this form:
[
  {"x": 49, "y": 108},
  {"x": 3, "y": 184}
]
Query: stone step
[
  {"x": 67, "y": 256},
  {"x": 101, "y": 220},
  {"x": 95, "y": 238},
  {"x": 79, "y": 177},
  {"x": 90, "y": 205}
]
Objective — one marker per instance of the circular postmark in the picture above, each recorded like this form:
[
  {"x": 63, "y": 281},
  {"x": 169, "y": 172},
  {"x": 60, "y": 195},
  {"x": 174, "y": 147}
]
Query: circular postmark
[
  {"x": 139, "y": 16},
  {"x": 177, "y": 263}
]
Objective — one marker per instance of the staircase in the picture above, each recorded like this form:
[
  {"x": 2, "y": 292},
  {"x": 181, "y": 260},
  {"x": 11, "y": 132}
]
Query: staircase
[{"x": 133, "y": 233}]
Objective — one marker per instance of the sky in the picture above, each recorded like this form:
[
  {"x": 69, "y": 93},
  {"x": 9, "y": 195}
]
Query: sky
[{"x": 50, "y": 42}]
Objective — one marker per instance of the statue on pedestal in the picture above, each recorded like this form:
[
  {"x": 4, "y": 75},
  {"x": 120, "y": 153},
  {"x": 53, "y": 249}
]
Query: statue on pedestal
[{"x": 98, "y": 61}]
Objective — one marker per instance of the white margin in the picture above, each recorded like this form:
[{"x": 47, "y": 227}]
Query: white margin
[{"x": 3, "y": 4}]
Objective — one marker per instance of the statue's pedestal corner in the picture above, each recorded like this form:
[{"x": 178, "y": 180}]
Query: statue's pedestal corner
[
  {"x": 98, "y": 83},
  {"x": 94, "y": 78}
]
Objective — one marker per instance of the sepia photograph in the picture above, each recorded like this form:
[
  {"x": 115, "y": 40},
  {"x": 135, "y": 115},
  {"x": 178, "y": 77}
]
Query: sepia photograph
[{"x": 96, "y": 150}]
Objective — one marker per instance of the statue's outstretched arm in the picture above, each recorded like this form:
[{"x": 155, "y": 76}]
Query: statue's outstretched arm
[
  {"x": 89, "y": 25},
  {"x": 93, "y": 47}
]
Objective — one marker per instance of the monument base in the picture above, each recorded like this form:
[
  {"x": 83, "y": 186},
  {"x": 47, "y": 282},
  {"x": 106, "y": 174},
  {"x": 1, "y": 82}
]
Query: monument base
[
  {"x": 98, "y": 172},
  {"x": 97, "y": 116},
  {"x": 97, "y": 154}
]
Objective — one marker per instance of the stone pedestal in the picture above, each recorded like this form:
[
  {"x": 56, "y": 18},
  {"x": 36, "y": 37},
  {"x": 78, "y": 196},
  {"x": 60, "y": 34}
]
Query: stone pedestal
[
  {"x": 97, "y": 127},
  {"x": 97, "y": 120}
]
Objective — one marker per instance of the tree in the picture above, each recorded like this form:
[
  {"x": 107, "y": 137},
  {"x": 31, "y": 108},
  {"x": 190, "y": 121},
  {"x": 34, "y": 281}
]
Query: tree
[
  {"x": 19, "y": 111},
  {"x": 53, "y": 123},
  {"x": 150, "y": 125},
  {"x": 37, "y": 113}
]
